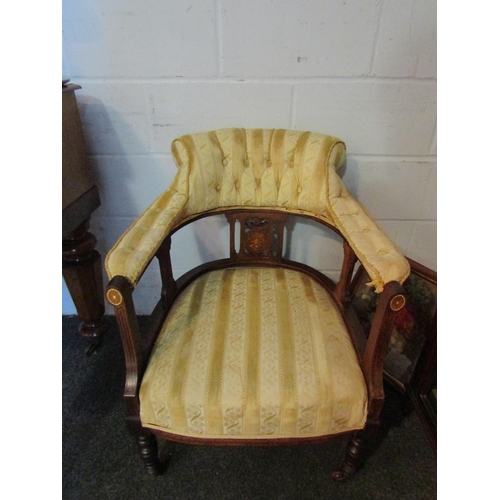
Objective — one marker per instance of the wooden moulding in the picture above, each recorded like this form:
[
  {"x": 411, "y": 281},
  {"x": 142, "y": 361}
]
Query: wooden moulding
[
  {"x": 391, "y": 300},
  {"x": 119, "y": 295},
  {"x": 268, "y": 441},
  {"x": 260, "y": 236}
]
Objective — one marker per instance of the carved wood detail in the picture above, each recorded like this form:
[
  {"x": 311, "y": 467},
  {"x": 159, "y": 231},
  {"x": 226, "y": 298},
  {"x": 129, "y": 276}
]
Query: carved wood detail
[{"x": 260, "y": 236}]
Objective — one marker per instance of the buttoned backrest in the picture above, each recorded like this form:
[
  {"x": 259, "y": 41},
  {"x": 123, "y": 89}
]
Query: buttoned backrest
[{"x": 260, "y": 168}]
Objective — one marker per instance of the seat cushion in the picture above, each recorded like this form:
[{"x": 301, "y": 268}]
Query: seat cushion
[{"x": 254, "y": 353}]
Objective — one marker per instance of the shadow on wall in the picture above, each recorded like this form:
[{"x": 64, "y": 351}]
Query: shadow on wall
[
  {"x": 212, "y": 238},
  {"x": 127, "y": 183},
  {"x": 349, "y": 173},
  {"x": 130, "y": 177}
]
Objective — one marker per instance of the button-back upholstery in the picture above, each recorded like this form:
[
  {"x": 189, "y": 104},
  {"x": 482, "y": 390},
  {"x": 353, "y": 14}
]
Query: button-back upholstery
[
  {"x": 259, "y": 168},
  {"x": 286, "y": 170}
]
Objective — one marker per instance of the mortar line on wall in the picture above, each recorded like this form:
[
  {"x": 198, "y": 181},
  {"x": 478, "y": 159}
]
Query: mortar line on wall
[
  {"x": 104, "y": 217},
  {"x": 218, "y": 38},
  {"x": 413, "y": 158},
  {"x": 129, "y": 155},
  {"x": 434, "y": 139},
  {"x": 148, "y": 118},
  {"x": 375, "y": 41},
  {"x": 427, "y": 221},
  {"x": 364, "y": 157},
  {"x": 410, "y": 239},
  {"x": 253, "y": 80},
  {"x": 293, "y": 107},
  {"x": 378, "y": 219}
]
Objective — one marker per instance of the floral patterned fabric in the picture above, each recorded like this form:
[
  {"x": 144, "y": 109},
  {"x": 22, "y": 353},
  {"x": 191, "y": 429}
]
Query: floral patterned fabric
[{"x": 254, "y": 353}]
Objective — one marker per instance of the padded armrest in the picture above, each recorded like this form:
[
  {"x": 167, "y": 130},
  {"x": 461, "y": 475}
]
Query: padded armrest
[
  {"x": 136, "y": 247},
  {"x": 133, "y": 251},
  {"x": 380, "y": 257}
]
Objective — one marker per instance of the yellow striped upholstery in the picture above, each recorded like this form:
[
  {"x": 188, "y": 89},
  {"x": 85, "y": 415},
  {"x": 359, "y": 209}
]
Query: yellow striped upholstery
[
  {"x": 259, "y": 168},
  {"x": 286, "y": 170},
  {"x": 254, "y": 353}
]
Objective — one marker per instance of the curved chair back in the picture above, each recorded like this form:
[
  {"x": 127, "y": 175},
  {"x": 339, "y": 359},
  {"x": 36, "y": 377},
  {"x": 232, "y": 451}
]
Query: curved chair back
[{"x": 264, "y": 168}]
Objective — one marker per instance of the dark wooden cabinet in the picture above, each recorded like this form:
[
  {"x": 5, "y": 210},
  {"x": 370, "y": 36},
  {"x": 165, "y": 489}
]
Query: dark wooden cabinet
[
  {"x": 81, "y": 263},
  {"x": 423, "y": 390}
]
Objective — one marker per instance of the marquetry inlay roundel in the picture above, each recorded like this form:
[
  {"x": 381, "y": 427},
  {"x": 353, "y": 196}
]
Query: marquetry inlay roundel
[
  {"x": 114, "y": 297},
  {"x": 398, "y": 302}
]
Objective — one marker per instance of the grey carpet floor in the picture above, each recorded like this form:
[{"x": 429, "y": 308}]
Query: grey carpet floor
[{"x": 100, "y": 460}]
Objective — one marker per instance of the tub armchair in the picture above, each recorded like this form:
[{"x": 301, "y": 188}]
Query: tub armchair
[{"x": 255, "y": 348}]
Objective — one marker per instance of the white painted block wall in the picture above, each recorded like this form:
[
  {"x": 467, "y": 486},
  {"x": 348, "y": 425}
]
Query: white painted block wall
[{"x": 362, "y": 70}]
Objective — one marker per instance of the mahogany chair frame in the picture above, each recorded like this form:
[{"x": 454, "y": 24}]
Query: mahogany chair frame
[{"x": 260, "y": 244}]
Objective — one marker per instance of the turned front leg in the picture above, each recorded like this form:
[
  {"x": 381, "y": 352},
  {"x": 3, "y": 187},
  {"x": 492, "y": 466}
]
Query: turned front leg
[
  {"x": 148, "y": 450},
  {"x": 352, "y": 457}
]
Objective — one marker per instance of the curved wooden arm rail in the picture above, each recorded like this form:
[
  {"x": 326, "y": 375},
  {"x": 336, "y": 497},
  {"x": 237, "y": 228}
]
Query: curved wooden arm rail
[{"x": 254, "y": 349}]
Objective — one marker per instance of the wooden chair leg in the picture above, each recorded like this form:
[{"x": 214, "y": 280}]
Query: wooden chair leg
[
  {"x": 148, "y": 449},
  {"x": 352, "y": 457}
]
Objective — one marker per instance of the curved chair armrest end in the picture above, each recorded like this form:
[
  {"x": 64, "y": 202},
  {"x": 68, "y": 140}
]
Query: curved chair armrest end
[
  {"x": 391, "y": 300},
  {"x": 380, "y": 257},
  {"x": 118, "y": 286}
]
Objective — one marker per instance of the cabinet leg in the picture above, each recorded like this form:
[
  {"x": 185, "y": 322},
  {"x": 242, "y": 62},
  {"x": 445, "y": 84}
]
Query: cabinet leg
[{"x": 82, "y": 273}]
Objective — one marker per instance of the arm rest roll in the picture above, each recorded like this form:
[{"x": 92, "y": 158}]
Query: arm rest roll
[
  {"x": 133, "y": 251},
  {"x": 380, "y": 257}
]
